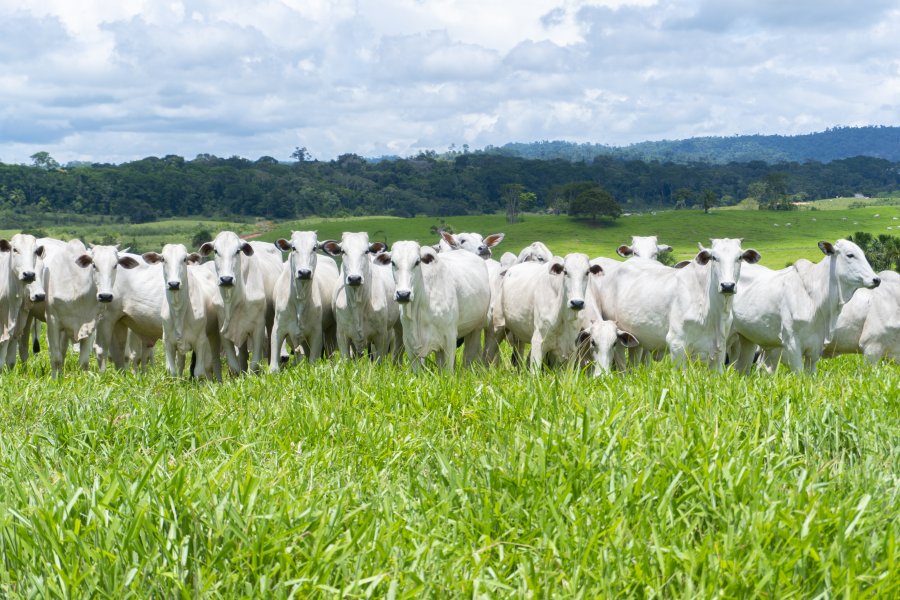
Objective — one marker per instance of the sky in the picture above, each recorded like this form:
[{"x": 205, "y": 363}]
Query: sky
[{"x": 113, "y": 81}]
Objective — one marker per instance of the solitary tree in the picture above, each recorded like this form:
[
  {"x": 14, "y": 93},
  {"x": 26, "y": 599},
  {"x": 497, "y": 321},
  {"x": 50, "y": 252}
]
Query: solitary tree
[
  {"x": 43, "y": 160},
  {"x": 512, "y": 193},
  {"x": 301, "y": 154},
  {"x": 708, "y": 200},
  {"x": 595, "y": 203}
]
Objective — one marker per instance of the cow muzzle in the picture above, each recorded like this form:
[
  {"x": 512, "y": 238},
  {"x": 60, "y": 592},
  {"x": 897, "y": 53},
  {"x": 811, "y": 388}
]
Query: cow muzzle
[
  {"x": 728, "y": 287},
  {"x": 876, "y": 281},
  {"x": 226, "y": 281},
  {"x": 104, "y": 297},
  {"x": 174, "y": 285},
  {"x": 576, "y": 304},
  {"x": 28, "y": 276},
  {"x": 354, "y": 280},
  {"x": 403, "y": 296},
  {"x": 304, "y": 274},
  {"x": 38, "y": 297}
]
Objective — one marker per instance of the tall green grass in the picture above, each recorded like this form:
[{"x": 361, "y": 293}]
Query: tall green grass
[{"x": 361, "y": 480}]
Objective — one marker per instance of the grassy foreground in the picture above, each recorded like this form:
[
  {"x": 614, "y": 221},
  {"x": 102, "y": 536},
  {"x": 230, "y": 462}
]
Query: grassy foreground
[{"x": 358, "y": 480}]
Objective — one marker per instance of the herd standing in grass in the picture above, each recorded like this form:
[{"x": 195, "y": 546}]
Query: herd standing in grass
[{"x": 255, "y": 308}]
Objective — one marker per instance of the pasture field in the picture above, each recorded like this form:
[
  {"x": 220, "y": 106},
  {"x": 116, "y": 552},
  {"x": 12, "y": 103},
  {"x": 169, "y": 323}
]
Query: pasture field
[{"x": 355, "y": 479}]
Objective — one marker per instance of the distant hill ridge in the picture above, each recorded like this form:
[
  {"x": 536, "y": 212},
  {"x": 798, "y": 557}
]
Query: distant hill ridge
[{"x": 832, "y": 144}]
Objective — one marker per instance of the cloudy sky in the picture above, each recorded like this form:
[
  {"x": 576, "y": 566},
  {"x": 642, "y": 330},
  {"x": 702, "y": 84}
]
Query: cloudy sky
[{"x": 113, "y": 81}]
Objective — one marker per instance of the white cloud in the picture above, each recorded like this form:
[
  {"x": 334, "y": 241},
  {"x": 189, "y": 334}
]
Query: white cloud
[{"x": 114, "y": 81}]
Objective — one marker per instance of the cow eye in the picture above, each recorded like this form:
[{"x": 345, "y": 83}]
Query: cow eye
[
  {"x": 851, "y": 255},
  {"x": 15, "y": 250},
  {"x": 216, "y": 252},
  {"x": 417, "y": 262}
]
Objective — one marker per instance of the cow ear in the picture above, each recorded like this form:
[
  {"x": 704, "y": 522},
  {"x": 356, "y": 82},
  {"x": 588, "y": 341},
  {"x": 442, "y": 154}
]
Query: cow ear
[
  {"x": 247, "y": 249},
  {"x": 205, "y": 250},
  {"x": 703, "y": 257},
  {"x": 5, "y": 246},
  {"x": 194, "y": 259},
  {"x": 557, "y": 268},
  {"x": 128, "y": 262},
  {"x": 331, "y": 247},
  {"x": 682, "y": 264},
  {"x": 151, "y": 258},
  {"x": 750, "y": 256},
  {"x": 283, "y": 245},
  {"x": 663, "y": 248},
  {"x": 596, "y": 269},
  {"x": 39, "y": 252},
  {"x": 626, "y": 339},
  {"x": 494, "y": 239},
  {"x": 382, "y": 258},
  {"x": 427, "y": 255},
  {"x": 84, "y": 261},
  {"x": 584, "y": 337},
  {"x": 624, "y": 251},
  {"x": 377, "y": 247},
  {"x": 450, "y": 239},
  {"x": 826, "y": 248}
]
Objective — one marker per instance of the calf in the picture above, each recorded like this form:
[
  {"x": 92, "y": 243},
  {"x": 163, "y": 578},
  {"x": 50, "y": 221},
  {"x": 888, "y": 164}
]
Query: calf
[
  {"x": 304, "y": 297},
  {"x": 191, "y": 312},
  {"x": 442, "y": 297},
  {"x": 791, "y": 314},
  {"x": 870, "y": 322},
  {"x": 365, "y": 311}
]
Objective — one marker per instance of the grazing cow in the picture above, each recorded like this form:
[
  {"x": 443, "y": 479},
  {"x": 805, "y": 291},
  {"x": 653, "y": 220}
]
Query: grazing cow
[
  {"x": 191, "y": 312},
  {"x": 365, "y": 311},
  {"x": 601, "y": 340},
  {"x": 870, "y": 322},
  {"x": 21, "y": 260},
  {"x": 246, "y": 273},
  {"x": 541, "y": 304},
  {"x": 685, "y": 311},
  {"x": 304, "y": 299},
  {"x": 506, "y": 261},
  {"x": 790, "y": 314},
  {"x": 442, "y": 297},
  {"x": 535, "y": 252},
  {"x": 474, "y": 243}
]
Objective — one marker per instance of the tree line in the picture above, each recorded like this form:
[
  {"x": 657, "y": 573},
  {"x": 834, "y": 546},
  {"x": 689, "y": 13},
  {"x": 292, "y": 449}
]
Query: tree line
[{"x": 427, "y": 184}]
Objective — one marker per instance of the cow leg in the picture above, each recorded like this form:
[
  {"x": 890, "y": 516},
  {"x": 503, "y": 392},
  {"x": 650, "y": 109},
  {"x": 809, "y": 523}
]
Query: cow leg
[
  {"x": 231, "y": 357},
  {"x": 873, "y": 353},
  {"x": 314, "y": 345},
  {"x": 278, "y": 335},
  {"x": 537, "y": 351},
  {"x": 491, "y": 345},
  {"x": 742, "y": 351},
  {"x": 397, "y": 349},
  {"x": 171, "y": 356},
  {"x": 450, "y": 349},
  {"x": 244, "y": 356},
  {"x": 472, "y": 347},
  {"x": 57, "y": 346},
  {"x": 259, "y": 349},
  {"x": 343, "y": 343}
]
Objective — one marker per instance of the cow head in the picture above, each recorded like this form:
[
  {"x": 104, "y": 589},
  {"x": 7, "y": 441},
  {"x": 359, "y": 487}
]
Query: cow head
[
  {"x": 603, "y": 337},
  {"x": 473, "y": 242},
  {"x": 227, "y": 249},
  {"x": 303, "y": 258},
  {"x": 406, "y": 260},
  {"x": 175, "y": 259},
  {"x": 26, "y": 263},
  {"x": 726, "y": 256},
  {"x": 575, "y": 269},
  {"x": 105, "y": 261},
  {"x": 643, "y": 247},
  {"x": 535, "y": 252},
  {"x": 850, "y": 266},
  {"x": 355, "y": 252}
]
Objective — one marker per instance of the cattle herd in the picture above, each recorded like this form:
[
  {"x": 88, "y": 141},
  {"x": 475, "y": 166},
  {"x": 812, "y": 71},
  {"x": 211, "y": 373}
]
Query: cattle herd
[{"x": 252, "y": 305}]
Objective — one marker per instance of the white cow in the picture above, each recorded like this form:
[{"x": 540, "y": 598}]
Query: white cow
[
  {"x": 191, "y": 312},
  {"x": 870, "y": 322},
  {"x": 790, "y": 314},
  {"x": 365, "y": 311},
  {"x": 246, "y": 273},
  {"x": 72, "y": 303},
  {"x": 647, "y": 247},
  {"x": 535, "y": 252},
  {"x": 685, "y": 311},
  {"x": 304, "y": 299},
  {"x": 21, "y": 259},
  {"x": 601, "y": 340},
  {"x": 442, "y": 297},
  {"x": 541, "y": 304},
  {"x": 476, "y": 244}
]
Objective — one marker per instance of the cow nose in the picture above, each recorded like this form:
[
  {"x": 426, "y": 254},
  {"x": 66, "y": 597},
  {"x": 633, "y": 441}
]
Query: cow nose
[
  {"x": 39, "y": 297},
  {"x": 576, "y": 304},
  {"x": 354, "y": 279},
  {"x": 174, "y": 285},
  {"x": 28, "y": 276},
  {"x": 727, "y": 288},
  {"x": 304, "y": 274},
  {"x": 483, "y": 250},
  {"x": 876, "y": 281},
  {"x": 226, "y": 281},
  {"x": 402, "y": 295},
  {"x": 105, "y": 297}
]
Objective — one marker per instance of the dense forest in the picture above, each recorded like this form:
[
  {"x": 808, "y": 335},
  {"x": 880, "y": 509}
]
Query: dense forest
[
  {"x": 459, "y": 183},
  {"x": 826, "y": 146}
]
